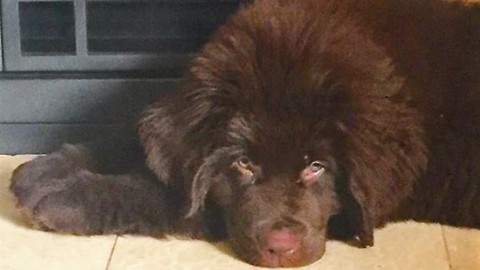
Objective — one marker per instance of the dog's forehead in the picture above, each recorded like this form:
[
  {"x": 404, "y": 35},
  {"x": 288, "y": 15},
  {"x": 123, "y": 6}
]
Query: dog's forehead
[{"x": 274, "y": 139}]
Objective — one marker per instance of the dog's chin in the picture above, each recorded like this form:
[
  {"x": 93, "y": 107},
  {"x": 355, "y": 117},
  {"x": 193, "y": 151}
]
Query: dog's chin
[
  {"x": 312, "y": 248},
  {"x": 302, "y": 257}
]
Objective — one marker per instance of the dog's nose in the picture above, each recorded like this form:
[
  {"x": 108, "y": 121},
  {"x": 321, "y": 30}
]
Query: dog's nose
[
  {"x": 282, "y": 242},
  {"x": 282, "y": 248}
]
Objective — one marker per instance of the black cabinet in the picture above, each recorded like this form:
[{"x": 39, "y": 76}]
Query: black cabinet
[
  {"x": 72, "y": 70},
  {"x": 82, "y": 35}
]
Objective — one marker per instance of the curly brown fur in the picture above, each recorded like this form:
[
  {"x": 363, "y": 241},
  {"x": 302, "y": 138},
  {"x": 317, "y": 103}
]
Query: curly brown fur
[{"x": 297, "y": 121}]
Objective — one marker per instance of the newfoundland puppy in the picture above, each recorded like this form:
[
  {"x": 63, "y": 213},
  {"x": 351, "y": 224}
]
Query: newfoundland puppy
[{"x": 298, "y": 121}]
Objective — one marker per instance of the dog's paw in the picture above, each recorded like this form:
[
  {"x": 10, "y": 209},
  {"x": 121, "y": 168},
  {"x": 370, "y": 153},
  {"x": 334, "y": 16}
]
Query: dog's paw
[
  {"x": 64, "y": 192},
  {"x": 46, "y": 172},
  {"x": 53, "y": 205},
  {"x": 58, "y": 211},
  {"x": 46, "y": 190}
]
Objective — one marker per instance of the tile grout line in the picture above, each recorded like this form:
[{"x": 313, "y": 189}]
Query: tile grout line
[
  {"x": 111, "y": 253},
  {"x": 445, "y": 245}
]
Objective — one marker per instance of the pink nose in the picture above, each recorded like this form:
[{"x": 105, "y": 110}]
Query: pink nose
[{"x": 282, "y": 248}]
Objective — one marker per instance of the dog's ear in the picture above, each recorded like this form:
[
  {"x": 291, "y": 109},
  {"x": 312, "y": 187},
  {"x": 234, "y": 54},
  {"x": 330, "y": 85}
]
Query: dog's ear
[
  {"x": 202, "y": 183},
  {"x": 385, "y": 154},
  {"x": 380, "y": 176},
  {"x": 362, "y": 214},
  {"x": 208, "y": 174}
]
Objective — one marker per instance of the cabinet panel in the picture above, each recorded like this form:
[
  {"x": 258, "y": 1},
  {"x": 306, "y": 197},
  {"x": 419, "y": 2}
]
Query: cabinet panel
[
  {"x": 47, "y": 28},
  {"x": 77, "y": 100},
  {"x": 152, "y": 27},
  {"x": 45, "y": 138}
]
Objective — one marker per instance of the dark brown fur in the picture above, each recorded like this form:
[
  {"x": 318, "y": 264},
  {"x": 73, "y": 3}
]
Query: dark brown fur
[{"x": 383, "y": 93}]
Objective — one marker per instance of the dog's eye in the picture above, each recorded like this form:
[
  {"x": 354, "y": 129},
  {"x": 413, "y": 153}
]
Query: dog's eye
[
  {"x": 312, "y": 173},
  {"x": 317, "y": 167},
  {"x": 244, "y": 162},
  {"x": 245, "y": 167}
]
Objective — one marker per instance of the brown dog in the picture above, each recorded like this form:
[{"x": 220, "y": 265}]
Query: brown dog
[{"x": 298, "y": 120}]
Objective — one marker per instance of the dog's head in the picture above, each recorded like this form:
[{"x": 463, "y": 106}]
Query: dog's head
[
  {"x": 277, "y": 186},
  {"x": 291, "y": 123}
]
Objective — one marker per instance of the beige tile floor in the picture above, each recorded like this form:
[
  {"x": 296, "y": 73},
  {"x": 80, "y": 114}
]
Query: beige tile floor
[{"x": 398, "y": 246}]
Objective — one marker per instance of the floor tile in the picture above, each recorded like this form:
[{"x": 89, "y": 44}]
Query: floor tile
[
  {"x": 144, "y": 253},
  {"x": 24, "y": 248},
  {"x": 463, "y": 248},
  {"x": 410, "y": 245},
  {"x": 398, "y": 246},
  {"x": 406, "y": 245}
]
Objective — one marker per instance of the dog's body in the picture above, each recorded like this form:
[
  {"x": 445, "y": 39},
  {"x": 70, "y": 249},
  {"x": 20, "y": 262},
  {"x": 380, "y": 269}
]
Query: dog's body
[{"x": 298, "y": 119}]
